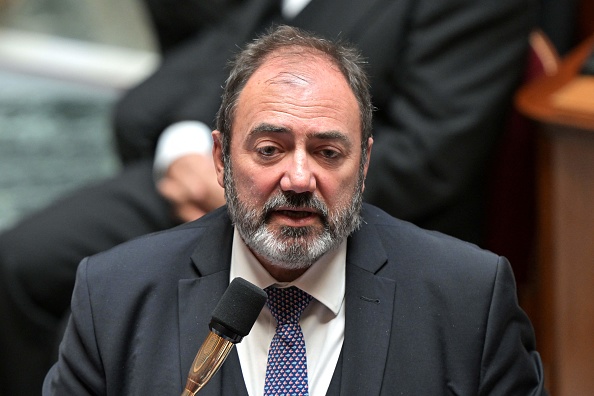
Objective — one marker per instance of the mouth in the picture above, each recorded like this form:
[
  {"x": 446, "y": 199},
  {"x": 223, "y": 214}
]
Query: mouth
[
  {"x": 298, "y": 214},
  {"x": 295, "y": 217}
]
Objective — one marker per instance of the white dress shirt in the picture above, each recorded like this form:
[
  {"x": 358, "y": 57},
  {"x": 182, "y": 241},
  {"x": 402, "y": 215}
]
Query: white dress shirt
[{"x": 322, "y": 321}]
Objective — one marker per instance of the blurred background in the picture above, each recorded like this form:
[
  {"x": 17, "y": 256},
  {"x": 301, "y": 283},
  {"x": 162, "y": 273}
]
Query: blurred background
[{"x": 62, "y": 65}]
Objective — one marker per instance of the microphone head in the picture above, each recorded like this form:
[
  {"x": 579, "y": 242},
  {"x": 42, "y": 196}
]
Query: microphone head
[{"x": 237, "y": 311}]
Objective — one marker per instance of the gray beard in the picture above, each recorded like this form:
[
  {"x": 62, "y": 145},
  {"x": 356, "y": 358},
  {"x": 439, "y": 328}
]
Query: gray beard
[{"x": 292, "y": 247}]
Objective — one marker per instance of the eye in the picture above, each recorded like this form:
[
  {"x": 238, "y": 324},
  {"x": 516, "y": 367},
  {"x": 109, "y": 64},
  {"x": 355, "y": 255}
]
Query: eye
[
  {"x": 267, "y": 151},
  {"x": 329, "y": 154}
]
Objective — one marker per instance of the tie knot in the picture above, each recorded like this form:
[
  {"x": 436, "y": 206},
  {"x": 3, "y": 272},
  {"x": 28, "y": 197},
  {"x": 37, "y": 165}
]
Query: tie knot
[{"x": 287, "y": 304}]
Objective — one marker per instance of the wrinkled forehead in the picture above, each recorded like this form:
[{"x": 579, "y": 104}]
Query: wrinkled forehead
[
  {"x": 299, "y": 79},
  {"x": 298, "y": 65}
]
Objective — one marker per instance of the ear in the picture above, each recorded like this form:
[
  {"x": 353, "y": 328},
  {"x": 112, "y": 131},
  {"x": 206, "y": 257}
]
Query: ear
[
  {"x": 217, "y": 156},
  {"x": 366, "y": 167}
]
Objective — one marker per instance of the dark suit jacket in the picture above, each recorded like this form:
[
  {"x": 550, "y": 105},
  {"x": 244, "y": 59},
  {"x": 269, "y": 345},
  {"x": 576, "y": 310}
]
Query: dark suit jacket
[
  {"x": 425, "y": 315},
  {"x": 442, "y": 77}
]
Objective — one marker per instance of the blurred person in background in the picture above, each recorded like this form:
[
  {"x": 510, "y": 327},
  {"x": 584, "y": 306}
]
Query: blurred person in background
[{"x": 442, "y": 77}]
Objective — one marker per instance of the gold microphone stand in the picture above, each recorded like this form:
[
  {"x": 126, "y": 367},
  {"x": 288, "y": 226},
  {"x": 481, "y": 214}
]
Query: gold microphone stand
[{"x": 209, "y": 358}]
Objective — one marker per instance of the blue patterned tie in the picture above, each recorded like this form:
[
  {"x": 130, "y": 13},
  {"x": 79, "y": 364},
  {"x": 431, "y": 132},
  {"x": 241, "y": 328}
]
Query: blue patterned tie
[{"x": 286, "y": 370}]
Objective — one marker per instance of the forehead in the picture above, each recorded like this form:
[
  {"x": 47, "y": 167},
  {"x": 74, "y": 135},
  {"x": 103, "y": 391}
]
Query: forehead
[
  {"x": 298, "y": 86},
  {"x": 298, "y": 67}
]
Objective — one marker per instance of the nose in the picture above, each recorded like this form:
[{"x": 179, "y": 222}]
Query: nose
[{"x": 298, "y": 176}]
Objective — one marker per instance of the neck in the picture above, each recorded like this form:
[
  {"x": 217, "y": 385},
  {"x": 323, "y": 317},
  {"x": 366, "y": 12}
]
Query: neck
[{"x": 280, "y": 273}]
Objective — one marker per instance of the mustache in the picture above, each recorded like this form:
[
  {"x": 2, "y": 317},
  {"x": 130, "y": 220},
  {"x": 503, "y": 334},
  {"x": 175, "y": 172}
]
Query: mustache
[{"x": 296, "y": 201}]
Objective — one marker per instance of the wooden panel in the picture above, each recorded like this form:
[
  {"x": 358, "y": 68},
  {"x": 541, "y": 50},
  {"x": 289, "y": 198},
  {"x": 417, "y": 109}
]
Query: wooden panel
[
  {"x": 564, "y": 319},
  {"x": 570, "y": 317}
]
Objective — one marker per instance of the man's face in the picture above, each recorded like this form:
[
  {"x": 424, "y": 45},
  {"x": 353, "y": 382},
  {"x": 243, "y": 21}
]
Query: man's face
[{"x": 295, "y": 178}]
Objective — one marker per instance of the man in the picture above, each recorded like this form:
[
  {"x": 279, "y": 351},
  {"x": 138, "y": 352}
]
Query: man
[
  {"x": 442, "y": 76},
  {"x": 394, "y": 309}
]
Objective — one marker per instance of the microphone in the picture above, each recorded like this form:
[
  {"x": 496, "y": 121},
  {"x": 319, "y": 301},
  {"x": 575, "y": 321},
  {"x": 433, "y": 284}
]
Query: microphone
[{"x": 232, "y": 319}]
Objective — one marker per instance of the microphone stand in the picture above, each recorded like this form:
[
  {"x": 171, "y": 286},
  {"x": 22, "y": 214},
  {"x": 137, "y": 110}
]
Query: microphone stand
[
  {"x": 210, "y": 357},
  {"x": 232, "y": 319}
]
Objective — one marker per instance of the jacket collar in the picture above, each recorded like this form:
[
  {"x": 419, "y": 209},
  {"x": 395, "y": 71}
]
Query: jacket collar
[{"x": 369, "y": 312}]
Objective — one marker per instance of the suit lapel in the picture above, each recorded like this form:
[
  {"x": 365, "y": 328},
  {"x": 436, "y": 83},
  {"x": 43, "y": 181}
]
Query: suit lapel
[
  {"x": 197, "y": 298},
  {"x": 347, "y": 16},
  {"x": 369, "y": 315}
]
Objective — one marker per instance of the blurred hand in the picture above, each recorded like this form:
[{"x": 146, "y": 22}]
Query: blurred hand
[{"x": 190, "y": 185}]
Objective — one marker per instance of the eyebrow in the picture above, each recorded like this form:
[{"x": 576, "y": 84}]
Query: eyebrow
[
  {"x": 332, "y": 135},
  {"x": 266, "y": 128},
  {"x": 325, "y": 135}
]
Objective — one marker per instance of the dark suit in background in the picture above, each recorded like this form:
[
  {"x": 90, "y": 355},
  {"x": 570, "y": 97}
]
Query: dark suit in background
[
  {"x": 175, "y": 22},
  {"x": 442, "y": 78},
  {"x": 425, "y": 315},
  {"x": 442, "y": 74}
]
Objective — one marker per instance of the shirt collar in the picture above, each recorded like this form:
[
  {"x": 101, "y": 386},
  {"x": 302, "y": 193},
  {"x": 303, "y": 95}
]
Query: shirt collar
[{"x": 324, "y": 280}]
